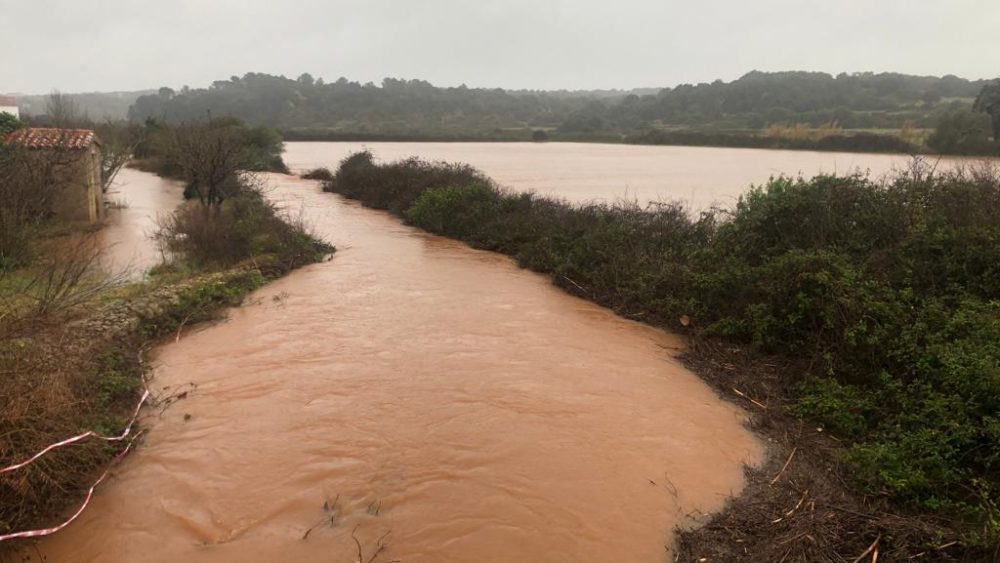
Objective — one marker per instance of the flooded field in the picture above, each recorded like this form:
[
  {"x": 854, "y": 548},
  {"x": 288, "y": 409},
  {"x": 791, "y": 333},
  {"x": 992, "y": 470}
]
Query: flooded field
[{"x": 580, "y": 172}]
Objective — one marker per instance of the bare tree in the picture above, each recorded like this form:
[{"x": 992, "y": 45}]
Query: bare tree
[
  {"x": 211, "y": 156},
  {"x": 118, "y": 142},
  {"x": 62, "y": 110},
  {"x": 27, "y": 190}
]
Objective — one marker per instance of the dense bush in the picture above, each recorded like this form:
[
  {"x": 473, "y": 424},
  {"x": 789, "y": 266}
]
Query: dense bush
[
  {"x": 9, "y": 123},
  {"x": 963, "y": 131},
  {"x": 888, "y": 291},
  {"x": 395, "y": 186}
]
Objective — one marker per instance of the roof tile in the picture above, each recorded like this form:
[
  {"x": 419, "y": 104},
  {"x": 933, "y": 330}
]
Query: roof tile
[{"x": 67, "y": 139}]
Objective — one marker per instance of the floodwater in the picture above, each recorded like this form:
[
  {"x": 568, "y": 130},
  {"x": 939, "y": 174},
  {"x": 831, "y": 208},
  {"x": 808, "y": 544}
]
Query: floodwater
[
  {"x": 421, "y": 389},
  {"x": 413, "y": 399},
  {"x": 137, "y": 202},
  {"x": 582, "y": 172}
]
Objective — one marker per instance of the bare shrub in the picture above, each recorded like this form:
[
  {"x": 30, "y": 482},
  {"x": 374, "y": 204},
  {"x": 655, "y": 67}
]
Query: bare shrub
[
  {"x": 27, "y": 190},
  {"x": 246, "y": 227},
  {"x": 66, "y": 276}
]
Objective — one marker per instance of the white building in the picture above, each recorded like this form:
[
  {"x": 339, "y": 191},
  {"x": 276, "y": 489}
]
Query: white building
[{"x": 8, "y": 104}]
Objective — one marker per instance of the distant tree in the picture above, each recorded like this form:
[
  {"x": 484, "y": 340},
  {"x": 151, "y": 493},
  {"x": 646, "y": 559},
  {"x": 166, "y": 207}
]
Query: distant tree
[
  {"x": 8, "y": 123},
  {"x": 930, "y": 98},
  {"x": 398, "y": 106},
  {"x": 62, "y": 110},
  {"x": 539, "y": 136},
  {"x": 961, "y": 131},
  {"x": 989, "y": 101}
]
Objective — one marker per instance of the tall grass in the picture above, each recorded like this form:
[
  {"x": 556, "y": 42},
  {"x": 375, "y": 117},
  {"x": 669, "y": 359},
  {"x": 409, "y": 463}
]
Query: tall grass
[{"x": 883, "y": 295}]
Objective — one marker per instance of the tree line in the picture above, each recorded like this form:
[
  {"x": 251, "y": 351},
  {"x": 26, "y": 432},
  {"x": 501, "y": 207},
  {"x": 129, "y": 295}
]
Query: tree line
[
  {"x": 859, "y": 100},
  {"x": 860, "y": 111}
]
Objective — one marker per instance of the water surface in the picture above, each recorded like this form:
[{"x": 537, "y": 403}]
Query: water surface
[
  {"x": 580, "y": 172},
  {"x": 138, "y": 201},
  {"x": 421, "y": 389}
]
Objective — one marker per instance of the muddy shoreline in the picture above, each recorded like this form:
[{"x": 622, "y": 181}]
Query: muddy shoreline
[{"x": 799, "y": 504}]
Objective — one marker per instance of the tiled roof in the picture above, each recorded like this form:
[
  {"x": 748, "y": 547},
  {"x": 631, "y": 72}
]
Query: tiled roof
[
  {"x": 68, "y": 139},
  {"x": 8, "y": 101}
]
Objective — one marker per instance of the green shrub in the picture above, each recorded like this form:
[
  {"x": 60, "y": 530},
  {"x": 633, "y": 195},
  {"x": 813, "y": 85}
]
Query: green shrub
[
  {"x": 454, "y": 211},
  {"x": 397, "y": 185}
]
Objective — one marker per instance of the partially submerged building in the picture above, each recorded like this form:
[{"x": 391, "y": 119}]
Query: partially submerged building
[{"x": 75, "y": 155}]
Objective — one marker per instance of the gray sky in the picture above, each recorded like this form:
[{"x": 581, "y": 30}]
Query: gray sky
[{"x": 135, "y": 44}]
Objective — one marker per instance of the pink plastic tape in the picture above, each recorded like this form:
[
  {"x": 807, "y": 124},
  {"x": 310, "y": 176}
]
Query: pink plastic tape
[
  {"x": 81, "y": 437},
  {"x": 90, "y": 493},
  {"x": 86, "y": 501}
]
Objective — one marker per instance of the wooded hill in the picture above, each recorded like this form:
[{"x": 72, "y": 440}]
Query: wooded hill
[{"x": 754, "y": 101}]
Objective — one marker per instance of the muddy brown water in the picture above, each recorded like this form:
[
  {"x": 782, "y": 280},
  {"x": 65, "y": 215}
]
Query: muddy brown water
[
  {"x": 138, "y": 201},
  {"x": 418, "y": 391},
  {"x": 581, "y": 172}
]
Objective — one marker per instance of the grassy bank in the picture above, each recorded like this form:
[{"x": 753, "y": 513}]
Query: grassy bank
[
  {"x": 867, "y": 310},
  {"x": 71, "y": 339}
]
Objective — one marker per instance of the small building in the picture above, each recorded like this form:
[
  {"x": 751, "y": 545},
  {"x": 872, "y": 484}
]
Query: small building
[
  {"x": 8, "y": 104},
  {"x": 76, "y": 156}
]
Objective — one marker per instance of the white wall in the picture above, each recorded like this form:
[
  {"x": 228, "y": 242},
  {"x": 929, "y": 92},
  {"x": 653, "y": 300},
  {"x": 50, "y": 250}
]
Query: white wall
[{"x": 10, "y": 109}]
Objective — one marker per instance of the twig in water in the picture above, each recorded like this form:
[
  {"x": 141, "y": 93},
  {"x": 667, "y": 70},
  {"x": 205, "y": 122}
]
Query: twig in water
[
  {"x": 673, "y": 488},
  {"x": 331, "y": 513},
  {"x": 380, "y": 546},
  {"x": 361, "y": 555}
]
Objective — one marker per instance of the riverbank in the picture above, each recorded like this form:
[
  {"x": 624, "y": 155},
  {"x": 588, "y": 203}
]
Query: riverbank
[
  {"x": 73, "y": 340},
  {"x": 854, "y": 142},
  {"x": 784, "y": 278}
]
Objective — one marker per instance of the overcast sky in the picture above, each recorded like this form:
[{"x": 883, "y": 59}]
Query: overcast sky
[{"x": 105, "y": 45}]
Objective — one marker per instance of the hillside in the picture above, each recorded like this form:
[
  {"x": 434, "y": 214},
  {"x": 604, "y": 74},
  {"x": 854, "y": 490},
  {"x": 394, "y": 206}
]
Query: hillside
[{"x": 754, "y": 101}]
